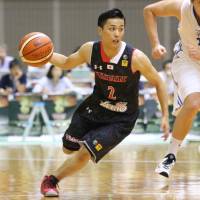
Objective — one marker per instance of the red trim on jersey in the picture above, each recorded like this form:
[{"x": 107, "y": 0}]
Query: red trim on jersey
[{"x": 104, "y": 57}]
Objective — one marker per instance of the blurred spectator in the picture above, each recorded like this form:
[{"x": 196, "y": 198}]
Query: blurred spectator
[
  {"x": 15, "y": 81},
  {"x": 166, "y": 75},
  {"x": 148, "y": 102},
  {"x": 147, "y": 90},
  {"x": 54, "y": 83},
  {"x": 4, "y": 60},
  {"x": 34, "y": 74},
  {"x": 83, "y": 77}
]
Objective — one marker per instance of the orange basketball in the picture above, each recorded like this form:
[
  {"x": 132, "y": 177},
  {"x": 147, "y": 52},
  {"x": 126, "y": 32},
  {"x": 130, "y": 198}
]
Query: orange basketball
[{"x": 35, "y": 49}]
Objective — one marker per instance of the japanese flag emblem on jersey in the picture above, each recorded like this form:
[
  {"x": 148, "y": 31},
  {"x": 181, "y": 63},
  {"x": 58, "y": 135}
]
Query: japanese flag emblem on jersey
[{"x": 110, "y": 67}]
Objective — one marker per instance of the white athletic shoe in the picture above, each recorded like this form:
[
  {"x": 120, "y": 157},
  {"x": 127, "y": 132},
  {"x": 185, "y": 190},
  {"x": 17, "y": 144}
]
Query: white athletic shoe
[{"x": 166, "y": 165}]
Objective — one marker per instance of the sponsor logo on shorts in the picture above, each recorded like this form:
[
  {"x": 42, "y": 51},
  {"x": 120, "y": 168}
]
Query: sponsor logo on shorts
[
  {"x": 72, "y": 139},
  {"x": 97, "y": 145},
  {"x": 95, "y": 142}
]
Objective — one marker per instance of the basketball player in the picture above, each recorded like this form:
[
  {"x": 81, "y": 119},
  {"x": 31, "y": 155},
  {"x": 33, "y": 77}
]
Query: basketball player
[
  {"x": 106, "y": 117},
  {"x": 185, "y": 67}
]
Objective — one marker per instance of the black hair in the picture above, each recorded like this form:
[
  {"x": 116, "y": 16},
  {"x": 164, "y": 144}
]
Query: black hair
[
  {"x": 113, "y": 13},
  {"x": 49, "y": 73},
  {"x": 14, "y": 63}
]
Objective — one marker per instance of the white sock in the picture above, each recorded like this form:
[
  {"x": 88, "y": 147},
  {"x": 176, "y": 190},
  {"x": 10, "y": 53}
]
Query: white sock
[{"x": 174, "y": 145}]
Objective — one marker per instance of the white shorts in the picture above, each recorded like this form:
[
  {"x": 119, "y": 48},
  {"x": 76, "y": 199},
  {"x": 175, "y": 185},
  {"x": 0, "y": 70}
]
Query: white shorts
[{"x": 186, "y": 74}]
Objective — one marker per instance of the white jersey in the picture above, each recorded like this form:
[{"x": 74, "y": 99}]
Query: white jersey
[
  {"x": 188, "y": 29},
  {"x": 186, "y": 71}
]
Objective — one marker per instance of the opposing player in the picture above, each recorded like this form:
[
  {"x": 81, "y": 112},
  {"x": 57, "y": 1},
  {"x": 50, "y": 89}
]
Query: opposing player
[
  {"x": 106, "y": 117},
  {"x": 185, "y": 67}
]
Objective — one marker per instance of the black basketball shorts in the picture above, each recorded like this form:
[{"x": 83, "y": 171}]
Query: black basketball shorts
[{"x": 99, "y": 136}]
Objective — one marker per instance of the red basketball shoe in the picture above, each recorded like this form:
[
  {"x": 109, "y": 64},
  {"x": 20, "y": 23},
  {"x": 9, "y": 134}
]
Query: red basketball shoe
[{"x": 48, "y": 187}]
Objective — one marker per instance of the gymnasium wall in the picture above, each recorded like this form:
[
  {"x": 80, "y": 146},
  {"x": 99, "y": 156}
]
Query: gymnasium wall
[{"x": 72, "y": 22}]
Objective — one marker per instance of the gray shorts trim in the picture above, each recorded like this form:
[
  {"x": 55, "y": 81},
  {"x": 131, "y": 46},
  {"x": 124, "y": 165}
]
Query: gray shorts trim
[{"x": 90, "y": 150}]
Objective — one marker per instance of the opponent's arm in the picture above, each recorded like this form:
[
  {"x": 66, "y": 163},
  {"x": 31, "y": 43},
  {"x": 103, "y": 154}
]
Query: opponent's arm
[
  {"x": 151, "y": 12},
  {"x": 83, "y": 55},
  {"x": 142, "y": 63}
]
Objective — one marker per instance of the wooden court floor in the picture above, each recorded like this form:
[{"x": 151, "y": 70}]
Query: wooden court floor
[{"x": 126, "y": 173}]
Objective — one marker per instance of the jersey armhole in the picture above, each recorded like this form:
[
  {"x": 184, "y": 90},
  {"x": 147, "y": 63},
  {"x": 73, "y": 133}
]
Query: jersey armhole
[
  {"x": 90, "y": 59},
  {"x": 133, "y": 70}
]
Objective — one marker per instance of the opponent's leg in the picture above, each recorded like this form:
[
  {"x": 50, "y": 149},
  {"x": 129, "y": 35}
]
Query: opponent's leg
[{"x": 182, "y": 126}]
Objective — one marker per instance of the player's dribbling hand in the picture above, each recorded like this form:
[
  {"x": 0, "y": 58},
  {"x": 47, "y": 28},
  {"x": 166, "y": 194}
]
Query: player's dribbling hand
[
  {"x": 158, "y": 52},
  {"x": 165, "y": 128}
]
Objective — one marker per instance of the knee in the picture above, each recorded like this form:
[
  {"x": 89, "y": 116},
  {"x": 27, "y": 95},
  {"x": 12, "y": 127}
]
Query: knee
[
  {"x": 83, "y": 154},
  {"x": 193, "y": 105},
  {"x": 67, "y": 151}
]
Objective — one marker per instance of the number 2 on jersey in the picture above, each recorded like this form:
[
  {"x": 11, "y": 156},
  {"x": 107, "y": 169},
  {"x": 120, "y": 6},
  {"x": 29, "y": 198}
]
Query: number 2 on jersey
[{"x": 111, "y": 93}]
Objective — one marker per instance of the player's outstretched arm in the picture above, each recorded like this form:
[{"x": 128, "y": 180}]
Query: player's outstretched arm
[
  {"x": 142, "y": 63},
  {"x": 164, "y": 8},
  {"x": 81, "y": 56}
]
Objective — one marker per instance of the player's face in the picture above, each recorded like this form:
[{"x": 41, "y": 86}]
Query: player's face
[{"x": 112, "y": 32}]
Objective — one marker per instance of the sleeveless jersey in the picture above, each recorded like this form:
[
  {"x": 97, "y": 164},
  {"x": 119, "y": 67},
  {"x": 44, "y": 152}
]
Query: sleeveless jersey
[
  {"x": 188, "y": 29},
  {"x": 116, "y": 86}
]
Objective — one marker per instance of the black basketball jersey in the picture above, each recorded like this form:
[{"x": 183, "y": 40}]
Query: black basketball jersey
[{"x": 116, "y": 86}]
